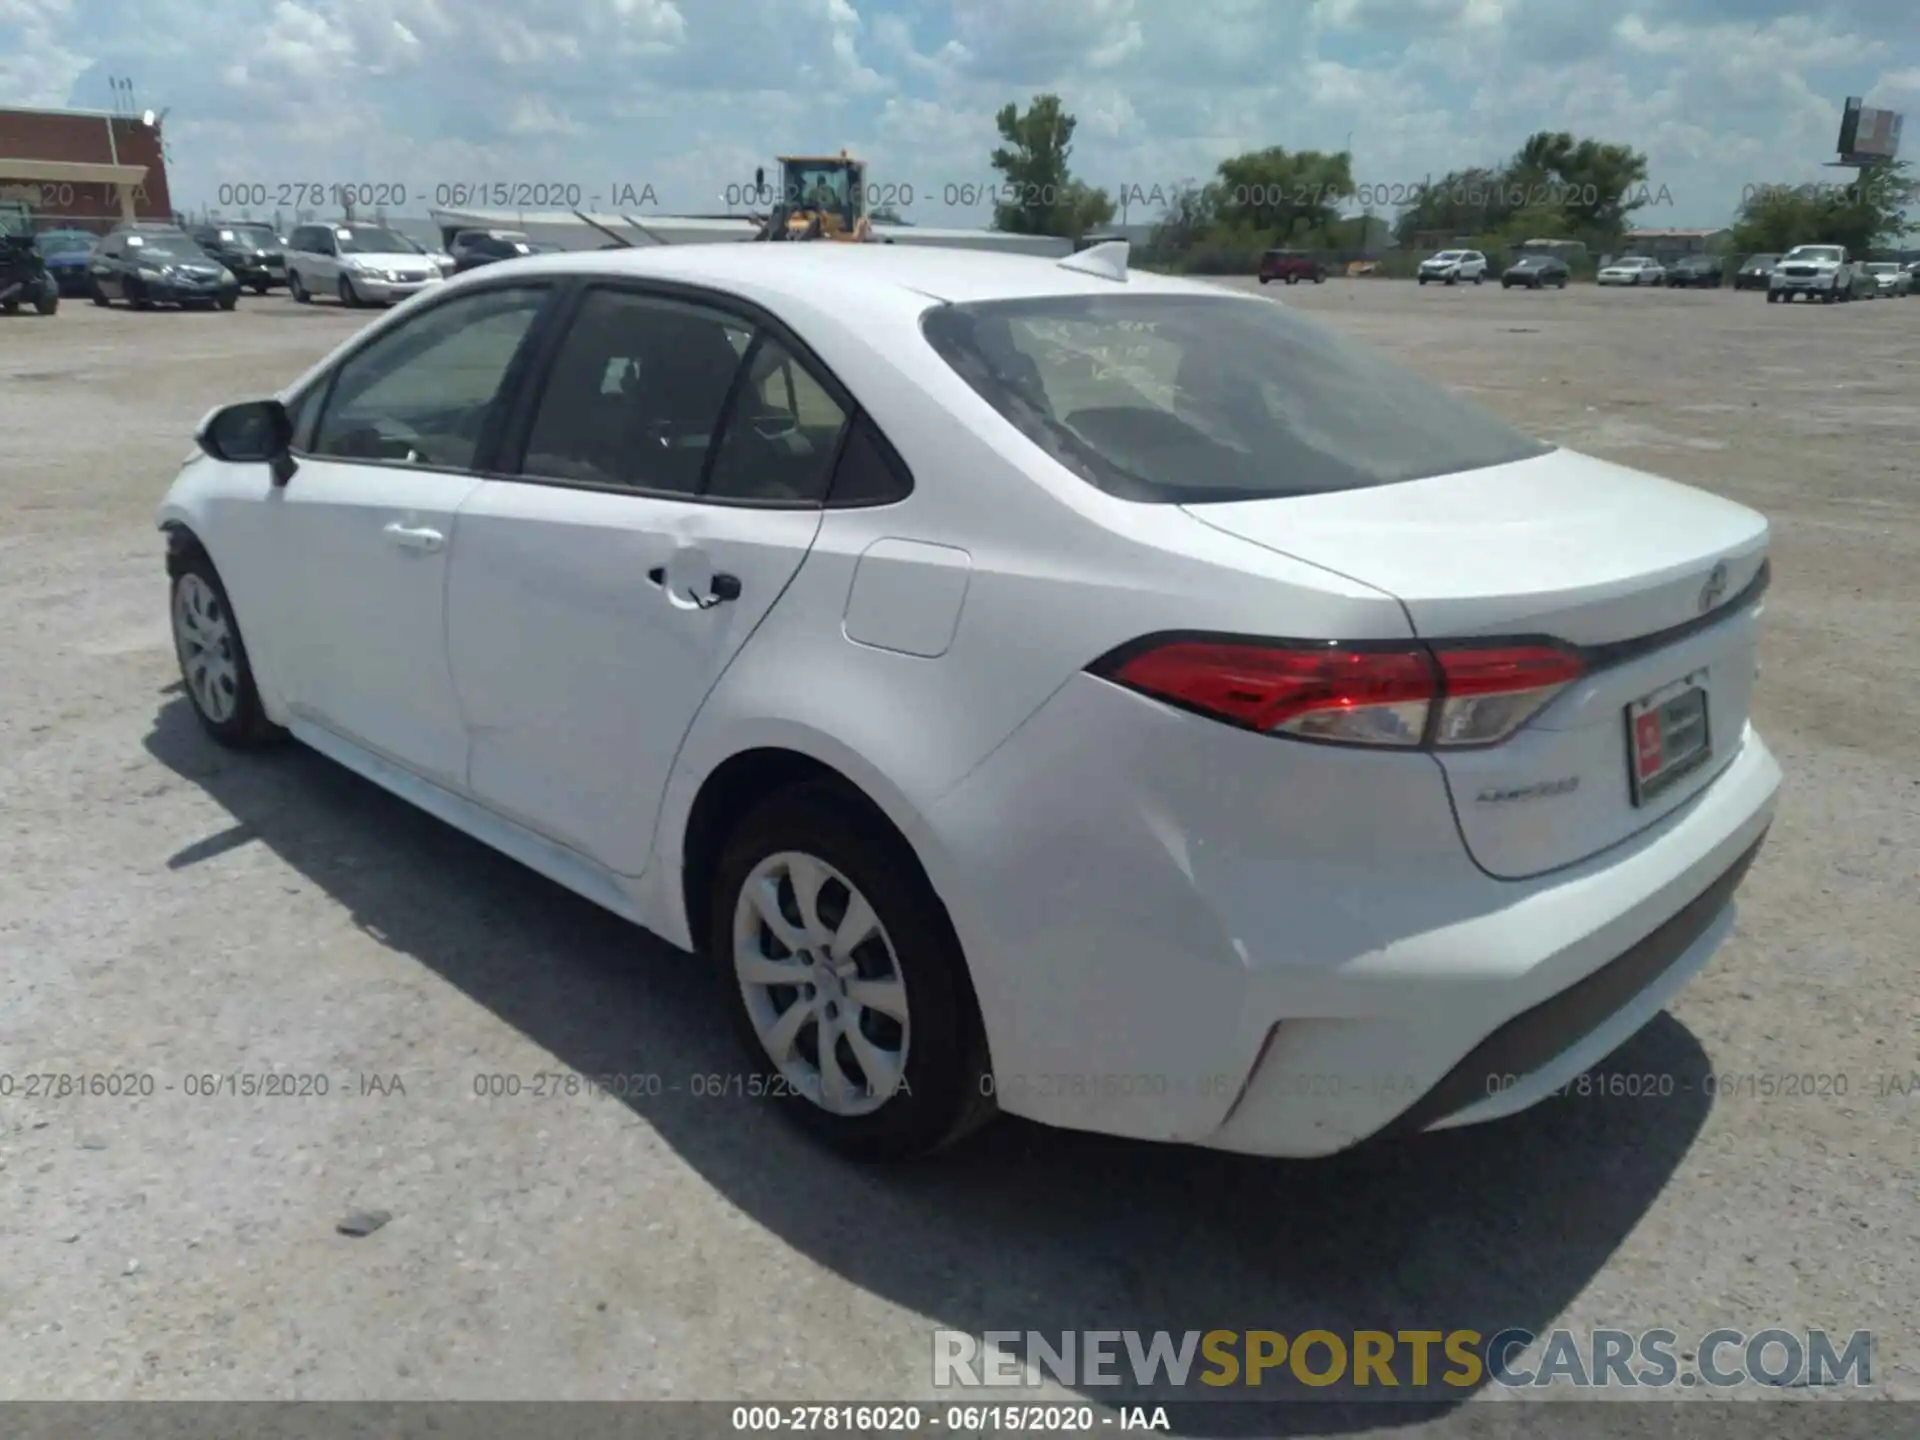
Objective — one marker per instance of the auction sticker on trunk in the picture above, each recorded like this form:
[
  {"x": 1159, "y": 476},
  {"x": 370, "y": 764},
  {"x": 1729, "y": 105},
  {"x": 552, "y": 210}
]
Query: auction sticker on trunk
[{"x": 1667, "y": 736}]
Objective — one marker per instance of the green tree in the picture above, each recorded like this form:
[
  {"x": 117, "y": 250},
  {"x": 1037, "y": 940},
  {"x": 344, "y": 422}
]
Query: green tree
[
  {"x": 1460, "y": 202},
  {"x": 1041, "y": 195},
  {"x": 1555, "y": 185},
  {"x": 1862, "y": 216},
  {"x": 1286, "y": 196}
]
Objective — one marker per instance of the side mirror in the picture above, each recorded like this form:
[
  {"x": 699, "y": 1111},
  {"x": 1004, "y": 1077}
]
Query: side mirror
[{"x": 250, "y": 432}]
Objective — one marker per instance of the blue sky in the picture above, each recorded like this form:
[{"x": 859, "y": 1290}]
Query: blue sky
[{"x": 679, "y": 99}]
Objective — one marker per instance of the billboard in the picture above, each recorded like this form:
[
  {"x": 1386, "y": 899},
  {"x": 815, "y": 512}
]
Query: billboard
[{"x": 1868, "y": 136}]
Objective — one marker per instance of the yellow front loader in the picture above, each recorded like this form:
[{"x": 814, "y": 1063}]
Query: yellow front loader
[{"x": 820, "y": 197}]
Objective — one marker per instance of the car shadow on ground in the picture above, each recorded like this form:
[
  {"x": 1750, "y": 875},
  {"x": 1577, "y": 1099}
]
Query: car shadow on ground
[{"x": 1020, "y": 1228}]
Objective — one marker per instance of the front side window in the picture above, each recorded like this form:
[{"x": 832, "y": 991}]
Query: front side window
[
  {"x": 1179, "y": 399},
  {"x": 421, "y": 394},
  {"x": 636, "y": 393}
]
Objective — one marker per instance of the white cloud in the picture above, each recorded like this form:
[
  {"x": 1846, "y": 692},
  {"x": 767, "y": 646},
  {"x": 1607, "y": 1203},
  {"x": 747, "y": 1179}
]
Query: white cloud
[{"x": 681, "y": 99}]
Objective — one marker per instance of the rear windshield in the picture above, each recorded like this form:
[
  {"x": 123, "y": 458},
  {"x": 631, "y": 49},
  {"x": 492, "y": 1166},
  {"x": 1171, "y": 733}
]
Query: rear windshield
[{"x": 1177, "y": 399}]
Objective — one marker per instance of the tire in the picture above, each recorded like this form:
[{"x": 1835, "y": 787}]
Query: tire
[
  {"x": 1422, "y": 279},
  {"x": 49, "y": 301},
  {"x": 9, "y": 307},
  {"x": 98, "y": 296},
  {"x": 137, "y": 297},
  {"x": 1479, "y": 279},
  {"x": 1320, "y": 279},
  {"x": 1265, "y": 278},
  {"x": 227, "y": 302},
  {"x": 344, "y": 292},
  {"x": 944, "y": 1091},
  {"x": 297, "y": 288},
  {"x": 241, "y": 723},
  {"x": 259, "y": 287},
  {"x": 1773, "y": 297}
]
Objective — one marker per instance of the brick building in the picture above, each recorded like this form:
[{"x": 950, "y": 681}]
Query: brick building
[{"x": 84, "y": 169}]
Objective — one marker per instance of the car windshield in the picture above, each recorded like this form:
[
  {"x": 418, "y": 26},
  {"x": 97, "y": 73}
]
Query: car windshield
[
  {"x": 63, "y": 242},
  {"x": 1815, "y": 252},
  {"x": 1449, "y": 255},
  {"x": 372, "y": 241},
  {"x": 261, "y": 236},
  {"x": 1183, "y": 399},
  {"x": 1882, "y": 268},
  {"x": 1529, "y": 262},
  {"x": 165, "y": 247},
  {"x": 1758, "y": 260}
]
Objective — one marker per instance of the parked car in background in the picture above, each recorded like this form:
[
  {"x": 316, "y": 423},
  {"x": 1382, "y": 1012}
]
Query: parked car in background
[
  {"x": 442, "y": 261},
  {"x": 1817, "y": 272},
  {"x": 1536, "y": 272},
  {"x": 24, "y": 277},
  {"x": 473, "y": 248},
  {"x": 252, "y": 249},
  {"x": 1450, "y": 267},
  {"x": 1889, "y": 278},
  {"x": 1695, "y": 272},
  {"x": 1632, "y": 270},
  {"x": 357, "y": 264},
  {"x": 1753, "y": 272},
  {"x": 1292, "y": 266},
  {"x": 148, "y": 264},
  {"x": 65, "y": 253},
  {"x": 1400, "y": 744}
]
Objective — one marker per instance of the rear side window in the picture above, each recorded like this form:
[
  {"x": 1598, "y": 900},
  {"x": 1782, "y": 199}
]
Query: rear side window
[
  {"x": 1177, "y": 399},
  {"x": 870, "y": 471}
]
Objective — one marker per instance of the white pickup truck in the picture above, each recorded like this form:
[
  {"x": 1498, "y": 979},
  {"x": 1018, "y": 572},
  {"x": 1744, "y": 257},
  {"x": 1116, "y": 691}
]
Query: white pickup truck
[{"x": 1819, "y": 272}]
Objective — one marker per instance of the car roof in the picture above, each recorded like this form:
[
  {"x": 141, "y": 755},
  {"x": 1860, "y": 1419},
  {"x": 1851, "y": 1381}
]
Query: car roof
[{"x": 801, "y": 272}]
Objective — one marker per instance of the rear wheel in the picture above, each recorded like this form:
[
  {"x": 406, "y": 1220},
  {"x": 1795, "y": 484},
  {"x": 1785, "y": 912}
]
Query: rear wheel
[
  {"x": 49, "y": 299},
  {"x": 98, "y": 295},
  {"x": 297, "y": 288},
  {"x": 227, "y": 302},
  {"x": 259, "y": 287},
  {"x": 845, "y": 980}
]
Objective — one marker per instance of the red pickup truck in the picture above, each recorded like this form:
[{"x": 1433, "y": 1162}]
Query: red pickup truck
[{"x": 1291, "y": 266}]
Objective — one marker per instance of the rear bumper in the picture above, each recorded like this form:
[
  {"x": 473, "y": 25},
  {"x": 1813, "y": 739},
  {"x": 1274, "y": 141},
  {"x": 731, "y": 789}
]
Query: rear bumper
[{"x": 1199, "y": 935}]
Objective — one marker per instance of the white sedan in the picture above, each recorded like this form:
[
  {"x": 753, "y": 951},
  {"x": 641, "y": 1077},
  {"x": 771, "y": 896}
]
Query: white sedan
[
  {"x": 1103, "y": 697},
  {"x": 1632, "y": 270}
]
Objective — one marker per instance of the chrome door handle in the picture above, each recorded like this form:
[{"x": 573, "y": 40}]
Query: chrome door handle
[{"x": 412, "y": 537}]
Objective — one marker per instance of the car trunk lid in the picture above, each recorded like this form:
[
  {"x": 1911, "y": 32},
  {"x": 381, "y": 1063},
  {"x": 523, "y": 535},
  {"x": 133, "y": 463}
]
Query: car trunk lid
[{"x": 1651, "y": 581}]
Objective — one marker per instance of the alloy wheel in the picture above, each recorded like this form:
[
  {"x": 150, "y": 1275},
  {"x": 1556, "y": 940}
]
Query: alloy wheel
[
  {"x": 822, "y": 983},
  {"x": 203, "y": 636}
]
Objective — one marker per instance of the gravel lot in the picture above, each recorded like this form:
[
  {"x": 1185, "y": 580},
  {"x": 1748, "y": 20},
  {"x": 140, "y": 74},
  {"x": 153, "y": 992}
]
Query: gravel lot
[{"x": 168, "y": 910}]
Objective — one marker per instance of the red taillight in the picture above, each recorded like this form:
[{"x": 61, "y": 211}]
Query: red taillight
[{"x": 1350, "y": 695}]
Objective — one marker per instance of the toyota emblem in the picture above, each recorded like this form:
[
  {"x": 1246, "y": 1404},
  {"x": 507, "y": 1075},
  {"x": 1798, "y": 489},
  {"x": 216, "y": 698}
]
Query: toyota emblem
[{"x": 1715, "y": 589}]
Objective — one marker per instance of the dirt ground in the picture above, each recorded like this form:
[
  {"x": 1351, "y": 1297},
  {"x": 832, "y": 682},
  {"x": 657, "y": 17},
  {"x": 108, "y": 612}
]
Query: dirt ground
[{"x": 170, "y": 911}]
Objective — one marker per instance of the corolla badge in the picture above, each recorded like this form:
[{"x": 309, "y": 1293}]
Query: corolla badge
[
  {"x": 1715, "y": 590},
  {"x": 1545, "y": 788}
]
